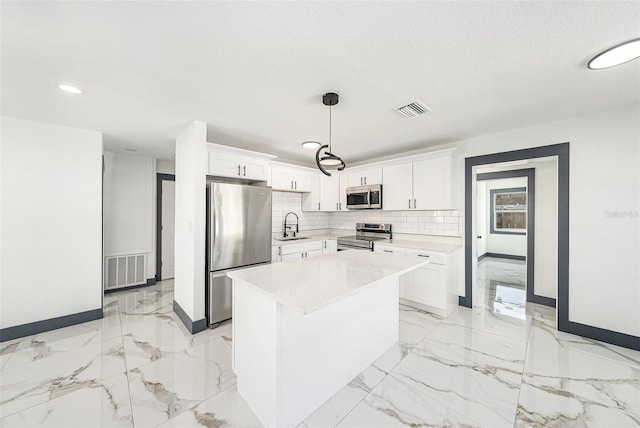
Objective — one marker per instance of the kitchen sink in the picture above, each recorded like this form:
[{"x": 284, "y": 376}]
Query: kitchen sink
[{"x": 291, "y": 238}]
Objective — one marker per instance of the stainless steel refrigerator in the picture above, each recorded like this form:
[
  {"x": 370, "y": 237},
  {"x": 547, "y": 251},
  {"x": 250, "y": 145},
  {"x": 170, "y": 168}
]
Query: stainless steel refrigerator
[{"x": 238, "y": 235}]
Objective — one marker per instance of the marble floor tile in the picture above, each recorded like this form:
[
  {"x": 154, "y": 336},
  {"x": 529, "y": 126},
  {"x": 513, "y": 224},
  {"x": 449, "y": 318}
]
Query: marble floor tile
[
  {"x": 38, "y": 381},
  {"x": 393, "y": 403},
  {"x": 226, "y": 409},
  {"x": 7, "y": 348},
  {"x": 154, "y": 338},
  {"x": 543, "y": 331},
  {"x": 474, "y": 372},
  {"x": 485, "y": 319},
  {"x": 105, "y": 403},
  {"x": 337, "y": 407},
  {"x": 548, "y": 407},
  {"x": 165, "y": 388},
  {"x": 553, "y": 368}
]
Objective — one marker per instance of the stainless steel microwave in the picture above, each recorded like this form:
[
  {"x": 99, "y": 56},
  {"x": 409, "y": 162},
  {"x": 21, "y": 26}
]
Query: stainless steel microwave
[{"x": 364, "y": 197}]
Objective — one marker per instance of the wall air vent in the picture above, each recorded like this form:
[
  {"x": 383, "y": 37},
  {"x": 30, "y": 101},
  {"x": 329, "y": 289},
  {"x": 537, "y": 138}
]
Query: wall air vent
[
  {"x": 124, "y": 271},
  {"x": 414, "y": 109}
]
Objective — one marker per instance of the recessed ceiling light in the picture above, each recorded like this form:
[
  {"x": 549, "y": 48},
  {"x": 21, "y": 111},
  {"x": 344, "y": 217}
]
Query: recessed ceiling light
[
  {"x": 70, "y": 89},
  {"x": 311, "y": 145},
  {"x": 129, "y": 149},
  {"x": 616, "y": 55}
]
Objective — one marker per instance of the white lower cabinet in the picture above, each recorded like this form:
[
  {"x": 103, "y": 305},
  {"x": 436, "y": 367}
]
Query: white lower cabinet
[
  {"x": 433, "y": 287},
  {"x": 329, "y": 246},
  {"x": 300, "y": 250}
]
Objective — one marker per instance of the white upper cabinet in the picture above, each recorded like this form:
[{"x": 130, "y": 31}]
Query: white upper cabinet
[
  {"x": 397, "y": 187},
  {"x": 433, "y": 184},
  {"x": 311, "y": 200},
  {"x": 426, "y": 184},
  {"x": 237, "y": 163},
  {"x": 330, "y": 193},
  {"x": 290, "y": 179},
  {"x": 365, "y": 177}
]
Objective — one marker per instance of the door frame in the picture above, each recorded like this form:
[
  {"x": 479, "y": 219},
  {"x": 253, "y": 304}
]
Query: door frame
[
  {"x": 530, "y": 173},
  {"x": 561, "y": 152},
  {"x": 159, "y": 179}
]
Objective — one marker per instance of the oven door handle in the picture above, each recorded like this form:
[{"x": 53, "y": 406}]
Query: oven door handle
[{"x": 352, "y": 247}]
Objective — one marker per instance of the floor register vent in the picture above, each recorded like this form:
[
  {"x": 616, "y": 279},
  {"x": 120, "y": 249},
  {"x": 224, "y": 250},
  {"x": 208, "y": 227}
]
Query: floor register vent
[
  {"x": 125, "y": 270},
  {"x": 414, "y": 109}
]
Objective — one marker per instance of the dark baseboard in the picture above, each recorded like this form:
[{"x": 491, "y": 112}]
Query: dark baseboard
[
  {"x": 505, "y": 256},
  {"x": 36, "y": 327},
  {"x": 546, "y": 301},
  {"x": 603, "y": 335},
  {"x": 482, "y": 257},
  {"x": 193, "y": 327},
  {"x": 151, "y": 281},
  {"x": 131, "y": 287}
]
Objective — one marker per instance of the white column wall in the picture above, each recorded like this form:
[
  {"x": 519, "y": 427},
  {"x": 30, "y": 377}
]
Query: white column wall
[
  {"x": 51, "y": 221},
  {"x": 546, "y": 235},
  {"x": 191, "y": 171},
  {"x": 129, "y": 207},
  {"x": 482, "y": 221}
]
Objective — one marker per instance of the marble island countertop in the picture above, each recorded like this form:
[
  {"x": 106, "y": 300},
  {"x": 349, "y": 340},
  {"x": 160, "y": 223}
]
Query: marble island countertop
[
  {"x": 311, "y": 284},
  {"x": 312, "y": 235}
]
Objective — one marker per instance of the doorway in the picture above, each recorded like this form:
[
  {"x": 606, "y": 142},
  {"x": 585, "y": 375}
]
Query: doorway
[
  {"x": 165, "y": 226},
  {"x": 560, "y": 152}
]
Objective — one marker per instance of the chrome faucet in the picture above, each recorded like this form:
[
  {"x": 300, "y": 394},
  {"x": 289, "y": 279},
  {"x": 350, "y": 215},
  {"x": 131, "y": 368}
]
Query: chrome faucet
[{"x": 285, "y": 227}]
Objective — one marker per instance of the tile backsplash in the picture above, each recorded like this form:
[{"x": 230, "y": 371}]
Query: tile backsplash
[
  {"x": 439, "y": 223},
  {"x": 284, "y": 202}
]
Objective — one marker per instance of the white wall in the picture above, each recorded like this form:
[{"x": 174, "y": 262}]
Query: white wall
[
  {"x": 482, "y": 222},
  {"x": 51, "y": 221},
  {"x": 191, "y": 171},
  {"x": 166, "y": 166},
  {"x": 546, "y": 233},
  {"x": 129, "y": 206},
  {"x": 500, "y": 243},
  {"x": 604, "y": 200}
]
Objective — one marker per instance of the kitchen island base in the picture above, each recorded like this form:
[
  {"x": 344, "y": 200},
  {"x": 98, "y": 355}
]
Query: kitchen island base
[{"x": 288, "y": 363}]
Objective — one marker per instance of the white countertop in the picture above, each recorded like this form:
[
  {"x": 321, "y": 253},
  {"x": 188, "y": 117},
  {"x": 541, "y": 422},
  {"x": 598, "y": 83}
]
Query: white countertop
[
  {"x": 442, "y": 247},
  {"x": 311, "y": 284},
  {"x": 312, "y": 235}
]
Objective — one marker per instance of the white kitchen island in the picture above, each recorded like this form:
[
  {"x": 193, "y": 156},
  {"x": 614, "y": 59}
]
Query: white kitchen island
[{"x": 302, "y": 330}]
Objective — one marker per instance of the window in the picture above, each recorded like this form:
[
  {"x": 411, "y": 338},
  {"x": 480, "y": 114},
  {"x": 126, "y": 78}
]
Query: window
[{"x": 509, "y": 211}]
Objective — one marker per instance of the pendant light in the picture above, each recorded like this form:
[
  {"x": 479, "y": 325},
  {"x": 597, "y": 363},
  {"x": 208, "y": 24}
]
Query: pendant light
[{"x": 328, "y": 160}]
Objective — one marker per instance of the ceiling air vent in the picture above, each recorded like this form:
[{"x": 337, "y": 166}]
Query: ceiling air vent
[{"x": 414, "y": 109}]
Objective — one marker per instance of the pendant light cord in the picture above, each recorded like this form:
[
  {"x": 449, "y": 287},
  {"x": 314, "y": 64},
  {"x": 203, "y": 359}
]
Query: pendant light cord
[{"x": 330, "y": 107}]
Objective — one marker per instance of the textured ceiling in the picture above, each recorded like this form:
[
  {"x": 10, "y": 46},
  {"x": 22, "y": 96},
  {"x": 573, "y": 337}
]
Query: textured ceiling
[{"x": 255, "y": 72}]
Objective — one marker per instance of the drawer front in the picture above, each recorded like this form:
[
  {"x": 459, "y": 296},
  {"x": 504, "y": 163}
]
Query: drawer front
[
  {"x": 388, "y": 249},
  {"x": 311, "y": 246},
  {"x": 433, "y": 257}
]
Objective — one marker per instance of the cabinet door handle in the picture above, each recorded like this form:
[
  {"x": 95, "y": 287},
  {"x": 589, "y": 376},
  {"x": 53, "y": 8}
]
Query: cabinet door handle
[
  {"x": 279, "y": 251},
  {"x": 318, "y": 206},
  {"x": 414, "y": 204},
  {"x": 291, "y": 184},
  {"x": 365, "y": 181},
  {"x": 244, "y": 170},
  {"x": 361, "y": 181},
  {"x": 238, "y": 170},
  {"x": 295, "y": 185},
  {"x": 423, "y": 255},
  {"x": 388, "y": 251},
  {"x": 325, "y": 245},
  {"x": 340, "y": 206},
  {"x": 409, "y": 203},
  {"x": 336, "y": 206}
]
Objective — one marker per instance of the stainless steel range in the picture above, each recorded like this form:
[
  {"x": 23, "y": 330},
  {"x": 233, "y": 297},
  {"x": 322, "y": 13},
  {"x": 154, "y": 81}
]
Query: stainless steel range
[{"x": 366, "y": 235}]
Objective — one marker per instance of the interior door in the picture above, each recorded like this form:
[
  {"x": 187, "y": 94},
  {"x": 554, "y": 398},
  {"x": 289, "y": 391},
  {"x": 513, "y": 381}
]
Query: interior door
[{"x": 168, "y": 228}]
